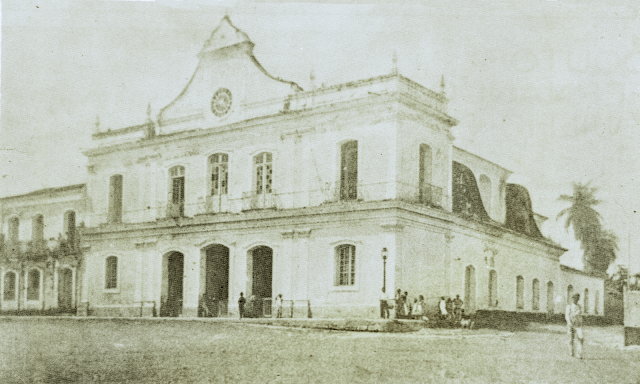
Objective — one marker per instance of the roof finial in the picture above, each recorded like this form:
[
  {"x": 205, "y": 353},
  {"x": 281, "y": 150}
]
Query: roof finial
[
  {"x": 149, "y": 113},
  {"x": 442, "y": 85},
  {"x": 312, "y": 79},
  {"x": 394, "y": 59}
]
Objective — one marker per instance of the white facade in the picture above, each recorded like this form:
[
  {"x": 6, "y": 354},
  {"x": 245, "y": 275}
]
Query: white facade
[{"x": 246, "y": 183}]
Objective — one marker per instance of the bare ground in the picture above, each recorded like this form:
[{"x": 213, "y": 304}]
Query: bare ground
[{"x": 175, "y": 351}]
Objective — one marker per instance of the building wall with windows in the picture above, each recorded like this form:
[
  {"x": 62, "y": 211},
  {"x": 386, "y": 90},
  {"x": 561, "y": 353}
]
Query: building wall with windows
[
  {"x": 246, "y": 183},
  {"x": 590, "y": 288},
  {"x": 40, "y": 251}
]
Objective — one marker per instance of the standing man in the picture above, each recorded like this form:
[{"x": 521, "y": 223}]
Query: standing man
[
  {"x": 279, "y": 306},
  {"x": 384, "y": 306},
  {"x": 241, "y": 302},
  {"x": 457, "y": 307},
  {"x": 573, "y": 315}
]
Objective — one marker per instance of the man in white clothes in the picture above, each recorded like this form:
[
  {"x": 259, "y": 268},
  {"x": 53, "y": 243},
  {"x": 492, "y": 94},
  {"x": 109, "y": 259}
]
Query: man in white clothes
[
  {"x": 443, "y": 308},
  {"x": 573, "y": 315}
]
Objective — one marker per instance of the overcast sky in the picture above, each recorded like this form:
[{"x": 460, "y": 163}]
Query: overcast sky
[{"x": 550, "y": 90}]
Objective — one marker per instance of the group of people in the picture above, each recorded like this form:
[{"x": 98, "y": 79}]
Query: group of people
[
  {"x": 416, "y": 309},
  {"x": 251, "y": 308}
]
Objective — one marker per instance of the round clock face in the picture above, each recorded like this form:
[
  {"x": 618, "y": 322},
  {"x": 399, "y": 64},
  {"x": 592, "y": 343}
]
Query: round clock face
[{"x": 221, "y": 102}]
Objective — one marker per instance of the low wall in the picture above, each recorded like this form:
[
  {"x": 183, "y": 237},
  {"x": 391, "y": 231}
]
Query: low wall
[{"x": 514, "y": 320}]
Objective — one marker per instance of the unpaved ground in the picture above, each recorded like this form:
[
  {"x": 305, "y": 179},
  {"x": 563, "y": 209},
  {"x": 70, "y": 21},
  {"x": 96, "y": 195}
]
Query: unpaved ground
[{"x": 117, "y": 351}]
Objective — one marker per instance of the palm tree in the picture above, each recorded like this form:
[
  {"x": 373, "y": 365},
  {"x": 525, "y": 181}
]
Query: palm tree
[
  {"x": 603, "y": 252},
  {"x": 581, "y": 215}
]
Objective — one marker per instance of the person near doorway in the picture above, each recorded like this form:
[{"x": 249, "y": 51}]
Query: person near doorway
[
  {"x": 449, "y": 307},
  {"x": 241, "y": 302},
  {"x": 384, "y": 305},
  {"x": 407, "y": 304},
  {"x": 416, "y": 310},
  {"x": 443, "y": 308},
  {"x": 399, "y": 305},
  {"x": 279, "y": 306},
  {"x": 573, "y": 316},
  {"x": 457, "y": 307}
]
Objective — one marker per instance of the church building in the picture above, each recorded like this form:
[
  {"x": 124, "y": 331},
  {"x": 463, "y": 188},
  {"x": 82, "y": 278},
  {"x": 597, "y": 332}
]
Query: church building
[{"x": 246, "y": 183}]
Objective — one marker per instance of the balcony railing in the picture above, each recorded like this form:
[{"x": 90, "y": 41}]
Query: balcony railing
[
  {"x": 430, "y": 195},
  {"x": 252, "y": 200},
  {"x": 216, "y": 204},
  {"x": 40, "y": 250},
  {"x": 175, "y": 209}
]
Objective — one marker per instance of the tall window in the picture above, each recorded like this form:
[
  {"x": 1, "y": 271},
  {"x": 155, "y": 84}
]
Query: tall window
[
  {"x": 111, "y": 273},
  {"x": 596, "y": 305},
  {"x": 14, "y": 229},
  {"x": 33, "y": 285},
  {"x": 219, "y": 168},
  {"x": 70, "y": 226},
  {"x": 9, "y": 286},
  {"x": 550, "y": 297},
  {"x": 176, "y": 190},
  {"x": 519, "y": 292},
  {"x": 263, "y": 173},
  {"x": 569, "y": 294},
  {"x": 349, "y": 171},
  {"x": 115, "y": 199},
  {"x": 485, "y": 192},
  {"x": 346, "y": 264},
  {"x": 535, "y": 299},
  {"x": 37, "y": 229},
  {"x": 493, "y": 288},
  {"x": 585, "y": 301},
  {"x": 425, "y": 176}
]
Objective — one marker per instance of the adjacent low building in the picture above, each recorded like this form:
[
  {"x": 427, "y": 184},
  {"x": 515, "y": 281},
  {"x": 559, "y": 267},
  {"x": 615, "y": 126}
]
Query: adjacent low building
[{"x": 40, "y": 253}]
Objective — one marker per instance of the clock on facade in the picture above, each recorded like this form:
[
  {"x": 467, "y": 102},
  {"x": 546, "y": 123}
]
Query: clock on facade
[{"x": 221, "y": 102}]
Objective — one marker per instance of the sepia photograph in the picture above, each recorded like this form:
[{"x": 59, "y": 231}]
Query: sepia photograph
[{"x": 229, "y": 191}]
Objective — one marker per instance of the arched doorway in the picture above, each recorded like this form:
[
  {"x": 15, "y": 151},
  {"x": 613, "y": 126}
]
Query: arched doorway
[
  {"x": 260, "y": 268},
  {"x": 470, "y": 289},
  {"x": 172, "y": 284},
  {"x": 214, "y": 281},
  {"x": 65, "y": 289}
]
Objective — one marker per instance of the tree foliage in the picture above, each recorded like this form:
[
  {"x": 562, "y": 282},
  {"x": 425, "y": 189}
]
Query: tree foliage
[{"x": 599, "y": 245}]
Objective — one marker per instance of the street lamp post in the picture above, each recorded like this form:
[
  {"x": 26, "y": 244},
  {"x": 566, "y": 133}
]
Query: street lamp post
[{"x": 385, "y": 253}]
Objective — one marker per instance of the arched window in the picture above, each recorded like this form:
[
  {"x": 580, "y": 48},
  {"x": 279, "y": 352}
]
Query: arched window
[
  {"x": 349, "y": 170},
  {"x": 585, "y": 302},
  {"x": 219, "y": 171},
  {"x": 33, "y": 285},
  {"x": 111, "y": 273},
  {"x": 37, "y": 229},
  {"x": 9, "y": 293},
  {"x": 519, "y": 292},
  {"x": 569, "y": 294},
  {"x": 345, "y": 264},
  {"x": 596, "y": 305},
  {"x": 263, "y": 173},
  {"x": 424, "y": 176},
  {"x": 535, "y": 299},
  {"x": 176, "y": 191},
  {"x": 14, "y": 230},
  {"x": 550, "y": 297},
  {"x": 493, "y": 288},
  {"x": 70, "y": 226},
  {"x": 115, "y": 199},
  {"x": 485, "y": 192}
]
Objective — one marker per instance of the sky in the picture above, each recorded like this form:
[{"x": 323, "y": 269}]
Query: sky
[{"x": 548, "y": 89}]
